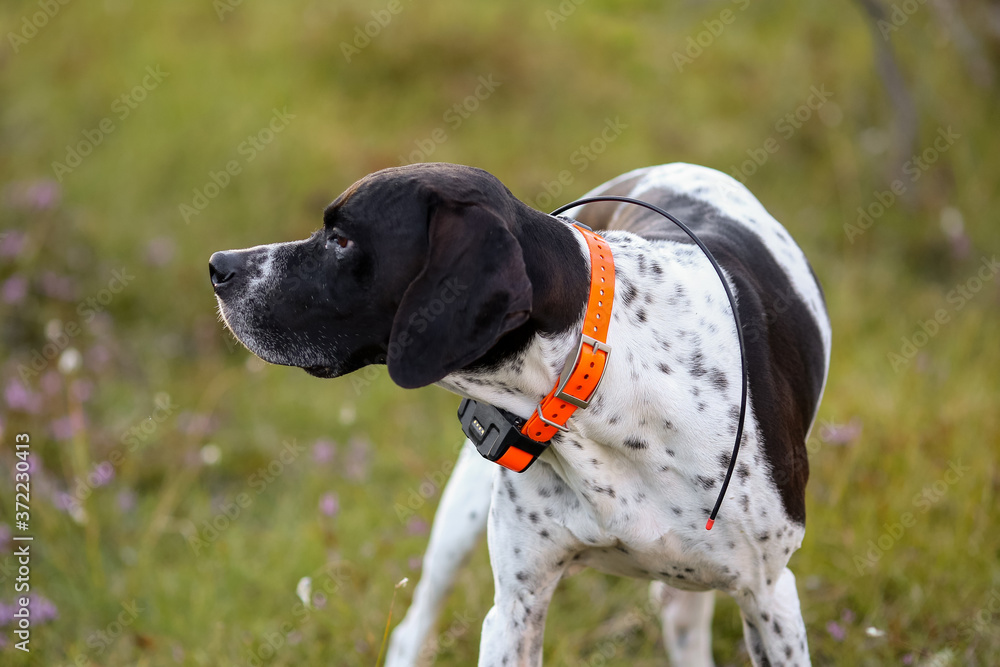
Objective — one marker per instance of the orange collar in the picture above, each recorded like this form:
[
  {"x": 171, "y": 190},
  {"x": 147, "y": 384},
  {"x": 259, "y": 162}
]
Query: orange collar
[{"x": 584, "y": 367}]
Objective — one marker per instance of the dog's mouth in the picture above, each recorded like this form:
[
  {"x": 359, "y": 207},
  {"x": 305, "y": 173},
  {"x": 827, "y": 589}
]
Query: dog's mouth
[{"x": 322, "y": 371}]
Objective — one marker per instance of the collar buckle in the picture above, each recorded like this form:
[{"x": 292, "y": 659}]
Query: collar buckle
[{"x": 569, "y": 368}]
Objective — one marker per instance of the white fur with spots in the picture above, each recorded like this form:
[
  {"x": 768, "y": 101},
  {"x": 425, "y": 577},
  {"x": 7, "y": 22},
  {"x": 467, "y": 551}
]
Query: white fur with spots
[{"x": 628, "y": 490}]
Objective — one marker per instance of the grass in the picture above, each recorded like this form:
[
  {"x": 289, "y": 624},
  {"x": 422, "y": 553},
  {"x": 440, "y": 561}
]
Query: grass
[{"x": 198, "y": 428}]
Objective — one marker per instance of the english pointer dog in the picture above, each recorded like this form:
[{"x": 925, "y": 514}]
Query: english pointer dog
[{"x": 439, "y": 272}]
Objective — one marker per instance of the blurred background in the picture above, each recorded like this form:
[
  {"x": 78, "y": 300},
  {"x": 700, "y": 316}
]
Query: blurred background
[{"x": 181, "y": 489}]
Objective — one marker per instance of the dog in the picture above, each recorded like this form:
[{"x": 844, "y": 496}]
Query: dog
[{"x": 440, "y": 273}]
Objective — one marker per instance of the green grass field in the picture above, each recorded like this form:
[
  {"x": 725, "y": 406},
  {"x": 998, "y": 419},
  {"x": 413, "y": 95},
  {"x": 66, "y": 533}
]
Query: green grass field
[{"x": 181, "y": 488}]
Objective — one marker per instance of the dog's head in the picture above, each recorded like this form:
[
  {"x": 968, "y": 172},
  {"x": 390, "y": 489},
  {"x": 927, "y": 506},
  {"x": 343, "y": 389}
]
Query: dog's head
[{"x": 415, "y": 267}]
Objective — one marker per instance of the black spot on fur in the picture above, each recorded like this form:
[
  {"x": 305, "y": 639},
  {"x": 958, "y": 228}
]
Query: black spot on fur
[
  {"x": 719, "y": 380},
  {"x": 706, "y": 483},
  {"x": 635, "y": 443},
  {"x": 627, "y": 292},
  {"x": 697, "y": 368},
  {"x": 665, "y": 368}
]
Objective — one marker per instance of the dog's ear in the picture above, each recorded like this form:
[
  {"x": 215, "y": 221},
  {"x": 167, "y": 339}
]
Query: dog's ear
[{"x": 472, "y": 290}]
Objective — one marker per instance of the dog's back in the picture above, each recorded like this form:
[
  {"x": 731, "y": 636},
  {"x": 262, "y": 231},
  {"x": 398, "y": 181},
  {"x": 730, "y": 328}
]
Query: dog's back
[{"x": 786, "y": 327}]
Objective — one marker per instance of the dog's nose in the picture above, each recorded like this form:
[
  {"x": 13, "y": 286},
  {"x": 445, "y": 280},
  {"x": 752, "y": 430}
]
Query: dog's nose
[{"x": 222, "y": 267}]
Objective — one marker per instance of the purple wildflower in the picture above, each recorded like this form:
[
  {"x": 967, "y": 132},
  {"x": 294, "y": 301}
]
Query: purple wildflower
[
  {"x": 323, "y": 451},
  {"x": 39, "y": 195},
  {"x": 356, "y": 463},
  {"x": 102, "y": 474},
  {"x": 18, "y": 397},
  {"x": 57, "y": 286},
  {"x": 51, "y": 383},
  {"x": 836, "y": 631},
  {"x": 11, "y": 243},
  {"x": 416, "y": 526},
  {"x": 82, "y": 390},
  {"x": 842, "y": 434},
  {"x": 14, "y": 289},
  {"x": 329, "y": 504},
  {"x": 126, "y": 500},
  {"x": 64, "y": 428},
  {"x": 42, "y": 610},
  {"x": 98, "y": 357}
]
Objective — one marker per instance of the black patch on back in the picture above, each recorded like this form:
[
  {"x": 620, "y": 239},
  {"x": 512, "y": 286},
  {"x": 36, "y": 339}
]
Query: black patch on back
[{"x": 786, "y": 365}]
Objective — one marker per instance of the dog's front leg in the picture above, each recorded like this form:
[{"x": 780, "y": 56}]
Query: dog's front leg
[
  {"x": 773, "y": 627},
  {"x": 528, "y": 554},
  {"x": 458, "y": 524}
]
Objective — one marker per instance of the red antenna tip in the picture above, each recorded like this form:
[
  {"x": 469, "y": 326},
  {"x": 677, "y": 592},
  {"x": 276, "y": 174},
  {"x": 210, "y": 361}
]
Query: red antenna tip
[{"x": 708, "y": 526}]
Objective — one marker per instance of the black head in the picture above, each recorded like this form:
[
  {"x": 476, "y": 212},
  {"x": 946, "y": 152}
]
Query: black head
[{"x": 418, "y": 267}]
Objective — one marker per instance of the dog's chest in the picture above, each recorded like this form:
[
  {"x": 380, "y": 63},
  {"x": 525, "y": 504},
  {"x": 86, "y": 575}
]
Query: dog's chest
[
  {"x": 635, "y": 479},
  {"x": 642, "y": 514}
]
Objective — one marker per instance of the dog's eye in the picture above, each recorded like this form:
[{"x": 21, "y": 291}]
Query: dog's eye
[{"x": 339, "y": 240}]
